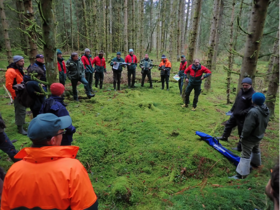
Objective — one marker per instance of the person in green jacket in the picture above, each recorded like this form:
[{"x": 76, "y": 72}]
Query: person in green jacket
[
  {"x": 146, "y": 65},
  {"x": 75, "y": 73},
  {"x": 252, "y": 133},
  {"x": 117, "y": 68}
]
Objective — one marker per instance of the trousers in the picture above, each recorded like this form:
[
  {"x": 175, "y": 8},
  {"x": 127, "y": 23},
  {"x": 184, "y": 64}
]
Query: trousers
[
  {"x": 74, "y": 83},
  {"x": 129, "y": 79},
  {"x": 89, "y": 78},
  {"x": 99, "y": 76},
  {"x": 197, "y": 90},
  {"x": 117, "y": 79},
  {"x": 148, "y": 74},
  {"x": 20, "y": 112}
]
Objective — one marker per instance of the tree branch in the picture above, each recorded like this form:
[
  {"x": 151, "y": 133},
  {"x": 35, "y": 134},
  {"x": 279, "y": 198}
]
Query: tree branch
[
  {"x": 238, "y": 23},
  {"x": 263, "y": 55}
]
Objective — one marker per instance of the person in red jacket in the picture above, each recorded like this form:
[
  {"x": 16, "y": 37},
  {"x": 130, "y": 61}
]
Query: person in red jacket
[
  {"x": 181, "y": 73},
  {"x": 100, "y": 68},
  {"x": 87, "y": 60},
  {"x": 194, "y": 80},
  {"x": 61, "y": 67},
  {"x": 131, "y": 59}
]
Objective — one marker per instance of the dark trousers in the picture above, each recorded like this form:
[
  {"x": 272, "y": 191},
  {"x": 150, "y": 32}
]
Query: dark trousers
[
  {"x": 166, "y": 78},
  {"x": 144, "y": 74},
  {"x": 129, "y": 74},
  {"x": 249, "y": 147},
  {"x": 99, "y": 76},
  {"x": 180, "y": 84},
  {"x": 20, "y": 112},
  {"x": 117, "y": 79},
  {"x": 197, "y": 90},
  {"x": 34, "y": 112},
  {"x": 62, "y": 77},
  {"x": 89, "y": 78},
  {"x": 74, "y": 83},
  {"x": 7, "y": 146}
]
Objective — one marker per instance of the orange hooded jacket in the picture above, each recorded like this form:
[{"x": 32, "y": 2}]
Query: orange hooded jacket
[
  {"x": 48, "y": 178},
  {"x": 13, "y": 77}
]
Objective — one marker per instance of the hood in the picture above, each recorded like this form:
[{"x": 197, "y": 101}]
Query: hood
[
  {"x": 14, "y": 66},
  {"x": 47, "y": 153},
  {"x": 263, "y": 109},
  {"x": 88, "y": 56}
]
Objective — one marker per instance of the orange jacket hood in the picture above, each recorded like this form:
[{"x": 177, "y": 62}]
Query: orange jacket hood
[{"x": 167, "y": 63}]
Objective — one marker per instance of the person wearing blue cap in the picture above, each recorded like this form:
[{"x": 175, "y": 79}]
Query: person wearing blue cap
[
  {"x": 241, "y": 106},
  {"x": 117, "y": 70},
  {"x": 40, "y": 62},
  {"x": 253, "y": 132},
  {"x": 132, "y": 61}
]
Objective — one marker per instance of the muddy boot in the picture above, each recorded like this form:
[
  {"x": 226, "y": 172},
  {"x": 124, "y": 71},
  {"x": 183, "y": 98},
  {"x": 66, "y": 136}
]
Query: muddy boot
[{"x": 21, "y": 130}]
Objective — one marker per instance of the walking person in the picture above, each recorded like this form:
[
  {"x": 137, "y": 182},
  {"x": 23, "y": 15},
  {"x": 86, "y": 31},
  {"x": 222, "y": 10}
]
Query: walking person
[
  {"x": 146, "y": 65},
  {"x": 132, "y": 61},
  {"x": 181, "y": 73},
  {"x": 165, "y": 67},
  {"x": 61, "y": 67},
  {"x": 117, "y": 73},
  {"x": 87, "y": 61},
  {"x": 100, "y": 69}
]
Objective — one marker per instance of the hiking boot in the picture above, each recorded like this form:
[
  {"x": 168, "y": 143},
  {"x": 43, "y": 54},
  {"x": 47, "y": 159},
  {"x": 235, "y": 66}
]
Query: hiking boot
[
  {"x": 222, "y": 138},
  {"x": 90, "y": 95},
  {"x": 21, "y": 130},
  {"x": 237, "y": 176},
  {"x": 185, "y": 105},
  {"x": 193, "y": 109}
]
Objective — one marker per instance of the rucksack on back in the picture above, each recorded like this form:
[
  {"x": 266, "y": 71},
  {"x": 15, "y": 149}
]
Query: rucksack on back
[{"x": 22, "y": 95}]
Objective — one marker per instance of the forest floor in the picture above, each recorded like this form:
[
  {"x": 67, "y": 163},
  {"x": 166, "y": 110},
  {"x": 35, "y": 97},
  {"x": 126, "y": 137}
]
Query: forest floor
[{"x": 135, "y": 144}]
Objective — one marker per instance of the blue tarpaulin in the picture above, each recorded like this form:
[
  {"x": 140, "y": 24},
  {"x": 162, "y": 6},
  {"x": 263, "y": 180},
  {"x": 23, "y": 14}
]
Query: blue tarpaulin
[{"x": 216, "y": 144}]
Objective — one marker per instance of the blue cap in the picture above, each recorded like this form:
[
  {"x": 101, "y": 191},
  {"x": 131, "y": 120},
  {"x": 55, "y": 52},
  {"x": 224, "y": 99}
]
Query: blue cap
[
  {"x": 258, "y": 98},
  {"x": 247, "y": 80},
  {"x": 45, "y": 126},
  {"x": 118, "y": 53},
  {"x": 163, "y": 56},
  {"x": 16, "y": 58},
  {"x": 39, "y": 56},
  {"x": 130, "y": 50}
]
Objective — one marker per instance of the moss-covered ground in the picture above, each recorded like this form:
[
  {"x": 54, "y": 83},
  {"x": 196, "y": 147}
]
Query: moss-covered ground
[{"x": 141, "y": 152}]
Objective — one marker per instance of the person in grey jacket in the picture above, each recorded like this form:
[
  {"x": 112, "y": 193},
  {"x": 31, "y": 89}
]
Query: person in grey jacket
[{"x": 253, "y": 131}]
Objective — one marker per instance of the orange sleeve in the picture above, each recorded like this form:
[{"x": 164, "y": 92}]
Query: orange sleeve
[
  {"x": 4, "y": 198},
  {"x": 161, "y": 63},
  {"x": 168, "y": 64},
  {"x": 10, "y": 81},
  {"x": 82, "y": 195}
]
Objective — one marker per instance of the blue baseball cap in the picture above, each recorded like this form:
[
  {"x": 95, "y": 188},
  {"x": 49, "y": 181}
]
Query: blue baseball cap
[
  {"x": 118, "y": 53},
  {"x": 45, "y": 126}
]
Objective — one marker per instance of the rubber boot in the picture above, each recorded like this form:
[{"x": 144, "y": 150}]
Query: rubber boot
[
  {"x": 101, "y": 83},
  {"x": 243, "y": 167},
  {"x": 114, "y": 85},
  {"x": 256, "y": 159},
  {"x": 21, "y": 130},
  {"x": 90, "y": 95},
  {"x": 222, "y": 138}
]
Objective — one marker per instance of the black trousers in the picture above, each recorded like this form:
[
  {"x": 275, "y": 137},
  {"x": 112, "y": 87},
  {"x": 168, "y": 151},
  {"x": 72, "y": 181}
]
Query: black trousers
[
  {"x": 117, "y": 79},
  {"x": 166, "y": 78},
  {"x": 144, "y": 74},
  {"x": 99, "y": 76},
  {"x": 129, "y": 74},
  {"x": 197, "y": 90}
]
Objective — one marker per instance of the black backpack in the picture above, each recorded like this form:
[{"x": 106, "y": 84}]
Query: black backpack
[{"x": 22, "y": 95}]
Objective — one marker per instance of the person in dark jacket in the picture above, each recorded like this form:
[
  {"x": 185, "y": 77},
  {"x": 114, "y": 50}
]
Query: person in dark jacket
[
  {"x": 100, "y": 68},
  {"x": 40, "y": 63},
  {"x": 35, "y": 91},
  {"x": 55, "y": 105},
  {"x": 181, "y": 74},
  {"x": 272, "y": 187},
  {"x": 146, "y": 65},
  {"x": 241, "y": 106},
  {"x": 117, "y": 73},
  {"x": 164, "y": 67},
  {"x": 75, "y": 72},
  {"x": 87, "y": 60},
  {"x": 194, "y": 77},
  {"x": 5, "y": 143},
  {"x": 253, "y": 132},
  {"x": 132, "y": 61},
  {"x": 61, "y": 67}
]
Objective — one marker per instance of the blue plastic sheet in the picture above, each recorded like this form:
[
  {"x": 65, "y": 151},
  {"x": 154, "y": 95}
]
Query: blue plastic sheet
[{"x": 216, "y": 144}]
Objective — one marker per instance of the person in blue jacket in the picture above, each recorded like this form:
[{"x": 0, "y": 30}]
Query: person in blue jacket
[{"x": 54, "y": 104}]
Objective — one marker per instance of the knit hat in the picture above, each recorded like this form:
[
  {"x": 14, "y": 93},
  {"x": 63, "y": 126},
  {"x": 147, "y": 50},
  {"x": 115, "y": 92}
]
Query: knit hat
[
  {"x": 163, "y": 56},
  {"x": 58, "y": 51},
  {"x": 130, "y": 50},
  {"x": 16, "y": 58},
  {"x": 118, "y": 53},
  {"x": 101, "y": 52},
  {"x": 87, "y": 50},
  {"x": 57, "y": 89},
  {"x": 247, "y": 80},
  {"x": 258, "y": 98}
]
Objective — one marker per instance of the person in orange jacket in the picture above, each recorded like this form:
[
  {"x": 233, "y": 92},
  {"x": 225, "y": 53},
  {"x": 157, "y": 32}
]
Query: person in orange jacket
[
  {"x": 15, "y": 75},
  {"x": 165, "y": 67},
  {"x": 49, "y": 176}
]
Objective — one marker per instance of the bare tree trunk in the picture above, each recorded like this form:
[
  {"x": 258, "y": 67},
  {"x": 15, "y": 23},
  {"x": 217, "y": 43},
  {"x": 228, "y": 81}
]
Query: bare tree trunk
[
  {"x": 151, "y": 25},
  {"x": 211, "y": 44},
  {"x": 141, "y": 27},
  {"x": 253, "y": 42},
  {"x": 187, "y": 21},
  {"x": 162, "y": 26},
  {"x": 196, "y": 50},
  {"x": 85, "y": 22},
  {"x": 65, "y": 28},
  {"x": 179, "y": 30},
  {"x": 182, "y": 26},
  {"x": 107, "y": 29},
  {"x": 29, "y": 15},
  {"x": 48, "y": 28},
  {"x": 94, "y": 11},
  {"x": 133, "y": 34},
  {"x": 158, "y": 30},
  {"x": 172, "y": 28},
  {"x": 273, "y": 79},
  {"x": 125, "y": 27},
  {"x": 111, "y": 29},
  {"x": 71, "y": 23},
  {"x": 23, "y": 36},
  {"x": 6, "y": 33}
]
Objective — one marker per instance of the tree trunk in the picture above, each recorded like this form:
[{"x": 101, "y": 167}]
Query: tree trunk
[
  {"x": 125, "y": 27},
  {"x": 30, "y": 27},
  {"x": 172, "y": 28},
  {"x": 107, "y": 29},
  {"x": 65, "y": 29},
  {"x": 6, "y": 33},
  {"x": 48, "y": 29},
  {"x": 162, "y": 27},
  {"x": 211, "y": 44},
  {"x": 273, "y": 79},
  {"x": 94, "y": 11},
  {"x": 253, "y": 42},
  {"x": 71, "y": 23},
  {"x": 23, "y": 36},
  {"x": 187, "y": 21},
  {"x": 179, "y": 30},
  {"x": 183, "y": 5},
  {"x": 85, "y": 22},
  {"x": 271, "y": 60},
  {"x": 141, "y": 27},
  {"x": 111, "y": 29},
  {"x": 133, "y": 34},
  {"x": 151, "y": 25}
]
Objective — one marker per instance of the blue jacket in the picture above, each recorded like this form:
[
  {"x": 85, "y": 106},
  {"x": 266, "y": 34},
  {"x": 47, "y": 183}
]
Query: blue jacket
[{"x": 55, "y": 105}]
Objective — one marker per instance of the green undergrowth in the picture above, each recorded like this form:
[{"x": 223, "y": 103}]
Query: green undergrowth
[{"x": 141, "y": 152}]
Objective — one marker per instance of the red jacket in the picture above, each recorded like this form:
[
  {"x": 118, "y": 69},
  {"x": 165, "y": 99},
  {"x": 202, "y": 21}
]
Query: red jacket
[
  {"x": 84, "y": 60},
  {"x": 99, "y": 62},
  {"x": 183, "y": 67},
  {"x": 128, "y": 59},
  {"x": 197, "y": 73},
  {"x": 59, "y": 67}
]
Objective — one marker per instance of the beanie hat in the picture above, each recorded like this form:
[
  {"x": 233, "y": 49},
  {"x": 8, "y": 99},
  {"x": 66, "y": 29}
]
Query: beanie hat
[
  {"x": 247, "y": 80},
  {"x": 57, "y": 89},
  {"x": 118, "y": 53},
  {"x": 258, "y": 98},
  {"x": 16, "y": 58},
  {"x": 87, "y": 50},
  {"x": 130, "y": 50},
  {"x": 58, "y": 51},
  {"x": 163, "y": 56}
]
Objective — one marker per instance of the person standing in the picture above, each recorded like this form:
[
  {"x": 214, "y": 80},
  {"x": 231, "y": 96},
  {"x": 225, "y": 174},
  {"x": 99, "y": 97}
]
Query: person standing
[
  {"x": 100, "y": 68},
  {"x": 181, "y": 73},
  {"x": 194, "y": 74},
  {"x": 117, "y": 73},
  {"x": 253, "y": 132},
  {"x": 132, "y": 61},
  {"x": 14, "y": 75},
  {"x": 146, "y": 65},
  {"x": 61, "y": 67},
  {"x": 87, "y": 60},
  {"x": 40, "y": 63},
  {"x": 241, "y": 106},
  {"x": 75, "y": 72},
  {"x": 165, "y": 67}
]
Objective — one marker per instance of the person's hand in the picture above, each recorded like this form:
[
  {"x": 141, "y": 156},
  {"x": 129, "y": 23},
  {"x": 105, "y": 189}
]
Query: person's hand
[
  {"x": 114, "y": 63},
  {"x": 129, "y": 64},
  {"x": 42, "y": 85},
  {"x": 202, "y": 78},
  {"x": 187, "y": 80}
]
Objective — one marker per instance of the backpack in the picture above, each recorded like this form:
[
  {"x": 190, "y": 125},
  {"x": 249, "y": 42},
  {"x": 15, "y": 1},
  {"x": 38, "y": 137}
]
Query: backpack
[
  {"x": 22, "y": 95},
  {"x": 48, "y": 103}
]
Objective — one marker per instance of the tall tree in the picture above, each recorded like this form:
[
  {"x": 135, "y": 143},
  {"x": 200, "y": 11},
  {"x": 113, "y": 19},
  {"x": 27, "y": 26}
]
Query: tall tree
[
  {"x": 253, "y": 42},
  {"x": 85, "y": 22},
  {"x": 94, "y": 13},
  {"x": 6, "y": 33},
  {"x": 151, "y": 25},
  {"x": 71, "y": 25},
  {"x": 187, "y": 20},
  {"x": 163, "y": 16},
  {"x": 273, "y": 79},
  {"x": 141, "y": 27},
  {"x": 172, "y": 28},
  {"x": 125, "y": 27},
  {"x": 158, "y": 30},
  {"x": 65, "y": 28},
  {"x": 211, "y": 44},
  {"x": 179, "y": 29},
  {"x": 183, "y": 5},
  {"x": 23, "y": 35}
]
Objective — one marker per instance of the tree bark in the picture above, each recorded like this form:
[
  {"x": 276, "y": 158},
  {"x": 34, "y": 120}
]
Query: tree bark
[
  {"x": 273, "y": 79},
  {"x": 6, "y": 33},
  {"x": 23, "y": 35},
  {"x": 151, "y": 25},
  {"x": 162, "y": 27},
  {"x": 71, "y": 23},
  {"x": 48, "y": 29},
  {"x": 94, "y": 11},
  {"x": 183, "y": 5},
  {"x": 125, "y": 27},
  {"x": 187, "y": 21},
  {"x": 211, "y": 44},
  {"x": 65, "y": 28},
  {"x": 172, "y": 28},
  {"x": 85, "y": 22},
  {"x": 158, "y": 30},
  {"x": 179, "y": 30},
  {"x": 253, "y": 42},
  {"x": 141, "y": 27}
]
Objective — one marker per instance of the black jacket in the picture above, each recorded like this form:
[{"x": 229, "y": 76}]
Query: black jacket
[
  {"x": 243, "y": 103},
  {"x": 32, "y": 87}
]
